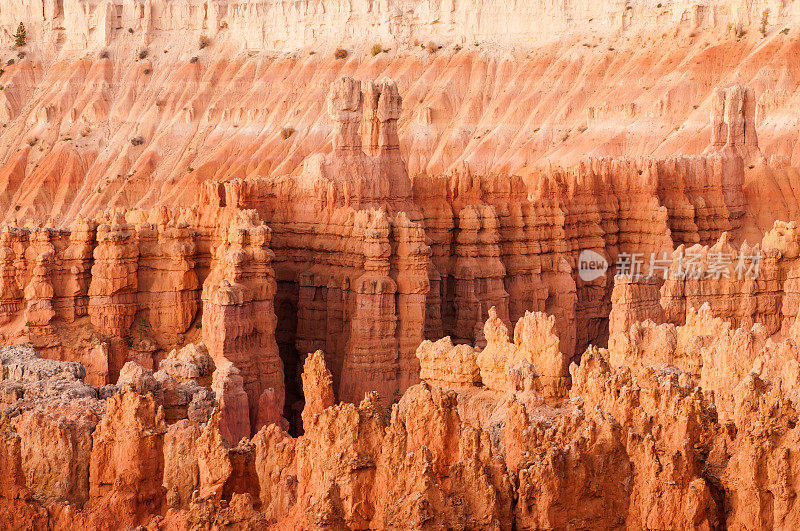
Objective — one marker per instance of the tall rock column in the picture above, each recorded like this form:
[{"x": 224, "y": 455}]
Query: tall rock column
[
  {"x": 733, "y": 121},
  {"x": 168, "y": 285},
  {"x": 387, "y": 113},
  {"x": 77, "y": 271},
  {"x": 114, "y": 286},
  {"x": 478, "y": 272},
  {"x": 112, "y": 292},
  {"x": 239, "y": 314},
  {"x": 344, "y": 105},
  {"x": 39, "y": 296},
  {"x": 370, "y": 362},
  {"x": 10, "y": 293},
  {"x": 382, "y": 108},
  {"x": 412, "y": 260},
  {"x": 370, "y": 126}
]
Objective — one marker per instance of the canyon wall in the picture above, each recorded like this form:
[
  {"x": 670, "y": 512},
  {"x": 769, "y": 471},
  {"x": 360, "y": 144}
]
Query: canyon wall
[
  {"x": 125, "y": 124},
  {"x": 318, "y": 266},
  {"x": 282, "y": 25},
  {"x": 350, "y": 255}
]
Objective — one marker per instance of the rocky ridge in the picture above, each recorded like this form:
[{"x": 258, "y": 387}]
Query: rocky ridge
[{"x": 656, "y": 442}]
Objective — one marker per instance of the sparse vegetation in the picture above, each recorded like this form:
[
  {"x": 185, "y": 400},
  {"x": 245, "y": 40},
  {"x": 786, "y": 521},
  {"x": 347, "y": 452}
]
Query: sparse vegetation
[
  {"x": 785, "y": 31},
  {"x": 431, "y": 47},
  {"x": 147, "y": 71},
  {"x": 340, "y": 53},
  {"x": 194, "y": 59},
  {"x": 204, "y": 42},
  {"x": 764, "y": 21},
  {"x": 376, "y": 49},
  {"x": 130, "y": 30},
  {"x": 286, "y": 132},
  {"x": 21, "y": 36},
  {"x": 143, "y": 326},
  {"x": 143, "y": 54},
  {"x": 21, "y": 55},
  {"x": 32, "y": 141},
  {"x": 104, "y": 54},
  {"x": 137, "y": 141},
  {"x": 10, "y": 62},
  {"x": 457, "y": 48},
  {"x": 189, "y": 169}
]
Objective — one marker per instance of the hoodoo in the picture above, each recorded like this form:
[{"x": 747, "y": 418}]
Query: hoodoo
[{"x": 399, "y": 265}]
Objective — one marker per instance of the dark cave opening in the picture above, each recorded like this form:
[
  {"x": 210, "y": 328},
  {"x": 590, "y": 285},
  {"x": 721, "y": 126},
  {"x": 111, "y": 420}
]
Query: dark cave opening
[{"x": 286, "y": 336}]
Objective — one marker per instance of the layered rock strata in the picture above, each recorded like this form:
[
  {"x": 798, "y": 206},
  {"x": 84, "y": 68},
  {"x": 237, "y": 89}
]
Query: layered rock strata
[{"x": 366, "y": 261}]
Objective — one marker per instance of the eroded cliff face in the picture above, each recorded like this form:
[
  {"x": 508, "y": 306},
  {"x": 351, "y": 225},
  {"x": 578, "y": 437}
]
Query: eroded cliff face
[
  {"x": 350, "y": 255},
  {"x": 316, "y": 266},
  {"x": 254, "y": 24},
  {"x": 98, "y": 115}
]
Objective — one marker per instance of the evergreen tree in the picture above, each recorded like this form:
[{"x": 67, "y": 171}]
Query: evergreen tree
[{"x": 21, "y": 36}]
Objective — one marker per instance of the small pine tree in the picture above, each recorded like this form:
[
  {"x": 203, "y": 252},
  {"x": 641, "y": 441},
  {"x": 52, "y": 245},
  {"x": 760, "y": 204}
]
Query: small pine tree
[{"x": 21, "y": 37}]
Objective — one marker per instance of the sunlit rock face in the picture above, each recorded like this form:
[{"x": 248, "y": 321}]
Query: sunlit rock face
[{"x": 314, "y": 266}]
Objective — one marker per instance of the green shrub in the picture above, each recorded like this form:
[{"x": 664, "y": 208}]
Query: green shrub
[{"x": 21, "y": 36}]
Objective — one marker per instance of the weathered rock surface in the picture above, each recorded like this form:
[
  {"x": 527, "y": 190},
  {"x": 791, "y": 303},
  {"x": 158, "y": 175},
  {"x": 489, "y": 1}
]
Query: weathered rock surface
[
  {"x": 268, "y": 255},
  {"x": 647, "y": 445}
]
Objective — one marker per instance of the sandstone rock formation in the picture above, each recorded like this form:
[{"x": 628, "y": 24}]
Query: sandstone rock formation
[
  {"x": 239, "y": 316},
  {"x": 260, "y": 264},
  {"x": 641, "y": 446}
]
